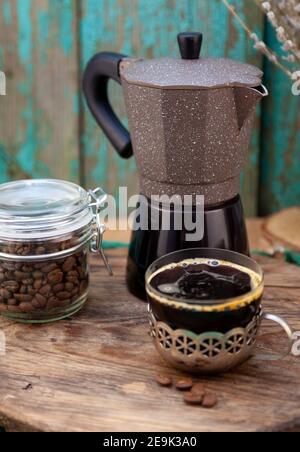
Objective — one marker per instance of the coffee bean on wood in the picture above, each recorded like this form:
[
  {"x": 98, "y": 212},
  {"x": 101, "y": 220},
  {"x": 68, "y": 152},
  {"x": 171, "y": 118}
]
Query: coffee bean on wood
[
  {"x": 196, "y": 393},
  {"x": 198, "y": 388},
  {"x": 163, "y": 380},
  {"x": 29, "y": 287},
  {"x": 210, "y": 400},
  {"x": 193, "y": 399},
  {"x": 183, "y": 384}
]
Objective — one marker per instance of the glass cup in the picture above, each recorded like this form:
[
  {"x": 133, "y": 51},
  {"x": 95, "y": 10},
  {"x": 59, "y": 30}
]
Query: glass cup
[{"x": 208, "y": 336}]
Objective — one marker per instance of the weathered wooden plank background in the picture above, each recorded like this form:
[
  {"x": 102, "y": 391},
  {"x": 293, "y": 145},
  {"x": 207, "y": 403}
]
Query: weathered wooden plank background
[
  {"x": 39, "y": 115},
  {"x": 280, "y": 145},
  {"x": 46, "y": 129}
]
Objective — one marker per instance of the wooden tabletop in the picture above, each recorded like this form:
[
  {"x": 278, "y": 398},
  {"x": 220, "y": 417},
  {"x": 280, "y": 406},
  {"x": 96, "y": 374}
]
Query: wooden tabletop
[{"x": 96, "y": 371}]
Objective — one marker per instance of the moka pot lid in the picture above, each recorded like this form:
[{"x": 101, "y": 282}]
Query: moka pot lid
[{"x": 191, "y": 71}]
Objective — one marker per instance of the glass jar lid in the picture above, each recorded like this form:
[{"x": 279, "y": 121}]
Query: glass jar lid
[{"x": 42, "y": 209}]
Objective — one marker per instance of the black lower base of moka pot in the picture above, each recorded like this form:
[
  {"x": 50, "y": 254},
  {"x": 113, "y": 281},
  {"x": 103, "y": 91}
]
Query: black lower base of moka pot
[{"x": 224, "y": 227}]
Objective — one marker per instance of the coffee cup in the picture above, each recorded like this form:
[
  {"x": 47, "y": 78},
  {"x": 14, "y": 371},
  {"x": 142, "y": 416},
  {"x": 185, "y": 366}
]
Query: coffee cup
[{"x": 205, "y": 309}]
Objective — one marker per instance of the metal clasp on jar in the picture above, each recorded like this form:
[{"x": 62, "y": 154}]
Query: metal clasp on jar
[{"x": 97, "y": 199}]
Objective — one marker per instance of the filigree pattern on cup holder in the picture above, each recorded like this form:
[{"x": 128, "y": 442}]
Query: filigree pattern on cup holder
[{"x": 205, "y": 352}]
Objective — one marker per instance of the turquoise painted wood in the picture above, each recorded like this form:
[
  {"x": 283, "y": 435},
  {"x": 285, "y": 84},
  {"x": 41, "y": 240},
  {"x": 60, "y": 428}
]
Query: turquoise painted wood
[
  {"x": 39, "y": 115},
  {"x": 46, "y": 129},
  {"x": 280, "y": 144}
]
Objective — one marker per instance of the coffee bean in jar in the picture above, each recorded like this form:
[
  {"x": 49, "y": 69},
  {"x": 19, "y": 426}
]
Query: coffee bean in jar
[{"x": 47, "y": 228}]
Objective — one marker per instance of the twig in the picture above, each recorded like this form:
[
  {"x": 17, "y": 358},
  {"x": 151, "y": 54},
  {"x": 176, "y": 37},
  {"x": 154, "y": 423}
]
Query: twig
[
  {"x": 259, "y": 44},
  {"x": 285, "y": 34}
]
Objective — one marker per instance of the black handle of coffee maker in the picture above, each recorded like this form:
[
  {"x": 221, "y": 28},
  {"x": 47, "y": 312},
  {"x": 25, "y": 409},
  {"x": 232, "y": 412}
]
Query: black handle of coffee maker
[{"x": 100, "y": 69}]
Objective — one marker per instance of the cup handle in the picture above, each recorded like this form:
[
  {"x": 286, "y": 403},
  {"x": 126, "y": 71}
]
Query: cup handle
[{"x": 289, "y": 332}]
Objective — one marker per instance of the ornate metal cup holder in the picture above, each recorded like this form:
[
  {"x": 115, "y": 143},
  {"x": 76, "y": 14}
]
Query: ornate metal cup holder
[{"x": 207, "y": 353}]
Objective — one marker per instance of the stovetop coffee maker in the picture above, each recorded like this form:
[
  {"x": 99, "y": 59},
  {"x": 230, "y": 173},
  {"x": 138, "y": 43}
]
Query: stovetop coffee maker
[{"x": 190, "y": 121}]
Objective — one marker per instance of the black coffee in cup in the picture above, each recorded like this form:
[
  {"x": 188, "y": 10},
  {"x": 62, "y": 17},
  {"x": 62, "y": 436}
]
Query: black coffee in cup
[
  {"x": 207, "y": 280},
  {"x": 204, "y": 293}
]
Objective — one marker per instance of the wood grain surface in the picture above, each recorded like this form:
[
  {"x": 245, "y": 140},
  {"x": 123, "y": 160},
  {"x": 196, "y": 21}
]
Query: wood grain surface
[
  {"x": 283, "y": 229},
  {"x": 96, "y": 371}
]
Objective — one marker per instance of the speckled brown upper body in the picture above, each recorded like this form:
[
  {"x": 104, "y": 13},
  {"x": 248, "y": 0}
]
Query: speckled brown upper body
[{"x": 190, "y": 123}]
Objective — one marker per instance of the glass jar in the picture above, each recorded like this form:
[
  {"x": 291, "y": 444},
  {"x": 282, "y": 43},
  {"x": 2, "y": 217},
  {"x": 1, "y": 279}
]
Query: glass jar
[{"x": 47, "y": 228}]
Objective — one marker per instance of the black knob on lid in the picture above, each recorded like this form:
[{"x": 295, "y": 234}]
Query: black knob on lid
[{"x": 190, "y": 45}]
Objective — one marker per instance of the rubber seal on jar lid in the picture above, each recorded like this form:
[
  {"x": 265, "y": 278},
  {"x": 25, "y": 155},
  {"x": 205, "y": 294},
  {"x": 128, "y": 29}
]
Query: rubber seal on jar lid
[{"x": 42, "y": 209}]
